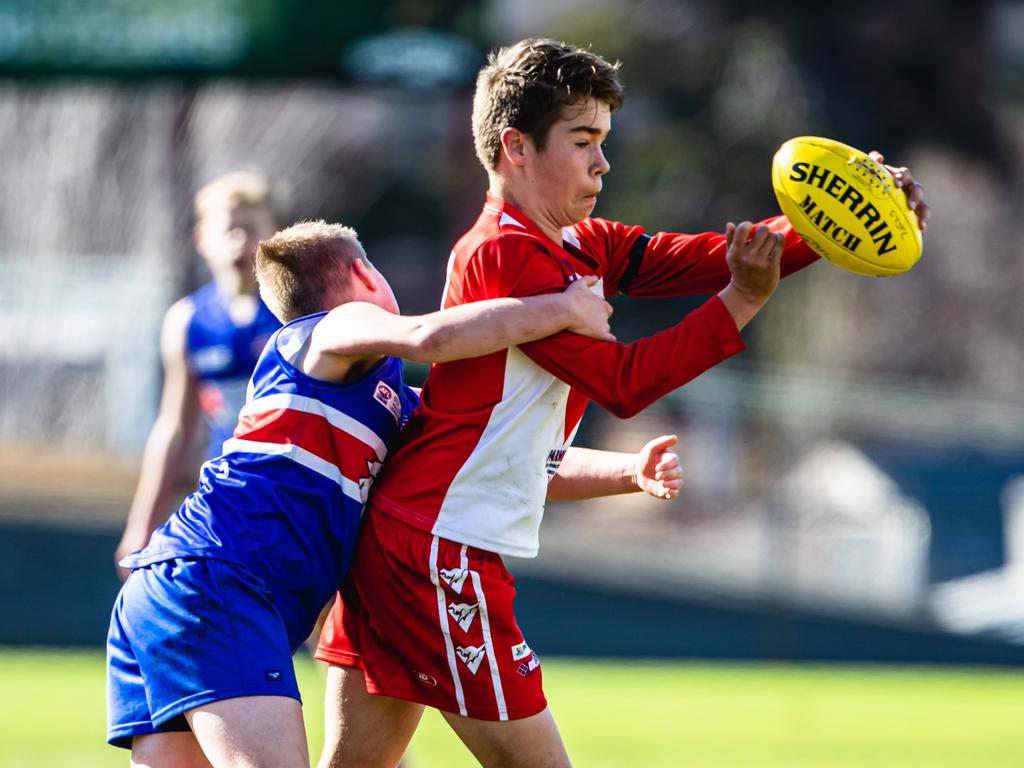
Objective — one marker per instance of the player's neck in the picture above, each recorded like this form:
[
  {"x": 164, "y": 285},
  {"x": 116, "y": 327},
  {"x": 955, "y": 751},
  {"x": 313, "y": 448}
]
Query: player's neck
[
  {"x": 520, "y": 197},
  {"x": 232, "y": 283}
]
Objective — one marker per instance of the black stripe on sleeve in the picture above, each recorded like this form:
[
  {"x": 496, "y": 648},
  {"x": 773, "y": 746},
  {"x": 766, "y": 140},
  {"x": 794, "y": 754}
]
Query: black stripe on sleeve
[{"x": 635, "y": 258}]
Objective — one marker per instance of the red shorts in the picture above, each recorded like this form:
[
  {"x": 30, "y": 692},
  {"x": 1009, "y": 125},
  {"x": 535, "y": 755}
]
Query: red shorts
[{"x": 430, "y": 620}]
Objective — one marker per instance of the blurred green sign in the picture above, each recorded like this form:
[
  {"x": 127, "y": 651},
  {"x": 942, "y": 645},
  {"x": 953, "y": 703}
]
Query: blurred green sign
[{"x": 379, "y": 42}]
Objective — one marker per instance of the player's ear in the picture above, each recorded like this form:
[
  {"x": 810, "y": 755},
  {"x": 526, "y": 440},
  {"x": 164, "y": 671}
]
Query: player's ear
[
  {"x": 513, "y": 145},
  {"x": 361, "y": 273}
]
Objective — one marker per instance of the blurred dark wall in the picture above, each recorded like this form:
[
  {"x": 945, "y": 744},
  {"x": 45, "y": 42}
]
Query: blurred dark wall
[{"x": 57, "y": 587}]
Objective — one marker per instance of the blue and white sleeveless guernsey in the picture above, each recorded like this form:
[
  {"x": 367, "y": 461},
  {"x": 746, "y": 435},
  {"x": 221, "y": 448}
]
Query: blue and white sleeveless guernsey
[
  {"x": 232, "y": 584},
  {"x": 285, "y": 497},
  {"x": 222, "y": 355}
]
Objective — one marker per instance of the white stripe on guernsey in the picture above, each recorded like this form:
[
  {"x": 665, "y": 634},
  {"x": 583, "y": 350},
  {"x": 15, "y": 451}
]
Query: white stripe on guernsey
[
  {"x": 499, "y": 694},
  {"x": 336, "y": 418},
  {"x": 300, "y": 456},
  {"x": 442, "y": 614}
]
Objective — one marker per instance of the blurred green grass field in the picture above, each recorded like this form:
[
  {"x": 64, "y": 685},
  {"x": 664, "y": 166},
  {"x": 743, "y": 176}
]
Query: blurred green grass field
[{"x": 619, "y": 714}]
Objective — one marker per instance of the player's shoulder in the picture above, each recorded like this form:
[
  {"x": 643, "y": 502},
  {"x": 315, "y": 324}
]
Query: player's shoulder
[
  {"x": 499, "y": 250},
  {"x": 174, "y": 332},
  {"x": 179, "y": 315},
  {"x": 592, "y": 229}
]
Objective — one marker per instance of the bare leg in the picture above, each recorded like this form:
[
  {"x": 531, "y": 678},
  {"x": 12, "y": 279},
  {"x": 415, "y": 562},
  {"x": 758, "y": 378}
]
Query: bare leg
[
  {"x": 361, "y": 729},
  {"x": 533, "y": 742},
  {"x": 168, "y": 750},
  {"x": 252, "y": 732}
]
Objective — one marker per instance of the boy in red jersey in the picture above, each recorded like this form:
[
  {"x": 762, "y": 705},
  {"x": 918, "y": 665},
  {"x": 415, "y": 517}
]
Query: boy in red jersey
[{"x": 427, "y": 618}]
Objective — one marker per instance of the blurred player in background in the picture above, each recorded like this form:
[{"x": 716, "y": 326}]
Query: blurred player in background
[
  {"x": 202, "y": 634},
  {"x": 209, "y": 344},
  {"x": 429, "y": 617}
]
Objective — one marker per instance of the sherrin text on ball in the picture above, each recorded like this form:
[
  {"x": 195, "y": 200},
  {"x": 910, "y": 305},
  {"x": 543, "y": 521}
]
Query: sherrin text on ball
[{"x": 846, "y": 206}]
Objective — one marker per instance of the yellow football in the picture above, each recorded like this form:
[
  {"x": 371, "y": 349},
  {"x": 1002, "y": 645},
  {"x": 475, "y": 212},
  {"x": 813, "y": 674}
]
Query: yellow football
[{"x": 846, "y": 206}]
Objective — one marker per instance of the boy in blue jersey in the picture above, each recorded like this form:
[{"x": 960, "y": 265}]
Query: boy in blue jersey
[
  {"x": 209, "y": 345},
  {"x": 202, "y": 633}
]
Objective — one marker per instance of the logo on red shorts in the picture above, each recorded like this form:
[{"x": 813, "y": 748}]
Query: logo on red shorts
[
  {"x": 527, "y": 668},
  {"x": 454, "y": 578},
  {"x": 424, "y": 679},
  {"x": 471, "y": 656},
  {"x": 520, "y": 651},
  {"x": 463, "y": 614}
]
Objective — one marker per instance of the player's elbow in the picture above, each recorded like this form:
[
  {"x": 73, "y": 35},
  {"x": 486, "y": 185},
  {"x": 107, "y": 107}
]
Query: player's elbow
[
  {"x": 625, "y": 410},
  {"x": 428, "y": 344},
  {"x": 621, "y": 405},
  {"x": 627, "y": 399}
]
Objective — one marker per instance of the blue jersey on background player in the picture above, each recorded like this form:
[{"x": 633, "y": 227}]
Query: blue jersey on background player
[
  {"x": 222, "y": 353},
  {"x": 233, "y": 582}
]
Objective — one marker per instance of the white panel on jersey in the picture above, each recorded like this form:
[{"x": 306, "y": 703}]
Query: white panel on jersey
[{"x": 496, "y": 500}]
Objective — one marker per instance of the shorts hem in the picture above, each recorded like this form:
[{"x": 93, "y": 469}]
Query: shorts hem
[
  {"x": 340, "y": 658},
  {"x": 121, "y": 736},
  {"x": 181, "y": 706},
  {"x": 491, "y": 714}
]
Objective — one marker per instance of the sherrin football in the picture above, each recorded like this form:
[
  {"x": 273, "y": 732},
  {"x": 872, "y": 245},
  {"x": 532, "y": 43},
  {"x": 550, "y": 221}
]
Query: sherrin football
[{"x": 846, "y": 206}]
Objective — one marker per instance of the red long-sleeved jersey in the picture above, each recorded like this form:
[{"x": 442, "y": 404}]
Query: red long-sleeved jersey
[{"x": 475, "y": 459}]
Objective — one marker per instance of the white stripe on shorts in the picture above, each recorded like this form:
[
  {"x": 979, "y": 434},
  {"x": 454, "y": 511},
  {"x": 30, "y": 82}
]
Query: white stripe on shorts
[
  {"x": 442, "y": 612},
  {"x": 499, "y": 694}
]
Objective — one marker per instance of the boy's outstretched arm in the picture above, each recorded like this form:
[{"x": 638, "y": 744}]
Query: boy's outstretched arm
[
  {"x": 624, "y": 379},
  {"x": 587, "y": 474},
  {"x": 357, "y": 332},
  {"x": 170, "y": 438}
]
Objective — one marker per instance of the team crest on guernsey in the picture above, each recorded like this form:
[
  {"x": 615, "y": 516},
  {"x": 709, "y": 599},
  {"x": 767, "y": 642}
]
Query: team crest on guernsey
[
  {"x": 387, "y": 397},
  {"x": 471, "y": 656},
  {"x": 463, "y": 613},
  {"x": 454, "y": 578}
]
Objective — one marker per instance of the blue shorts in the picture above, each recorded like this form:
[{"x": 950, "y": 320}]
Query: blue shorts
[{"x": 187, "y": 632}]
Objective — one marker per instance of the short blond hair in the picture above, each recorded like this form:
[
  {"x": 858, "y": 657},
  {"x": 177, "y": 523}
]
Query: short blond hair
[
  {"x": 305, "y": 268},
  {"x": 233, "y": 190}
]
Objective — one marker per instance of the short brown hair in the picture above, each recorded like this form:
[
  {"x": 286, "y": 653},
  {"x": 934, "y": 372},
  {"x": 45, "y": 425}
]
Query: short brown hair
[
  {"x": 527, "y": 85},
  {"x": 233, "y": 190},
  {"x": 305, "y": 268}
]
